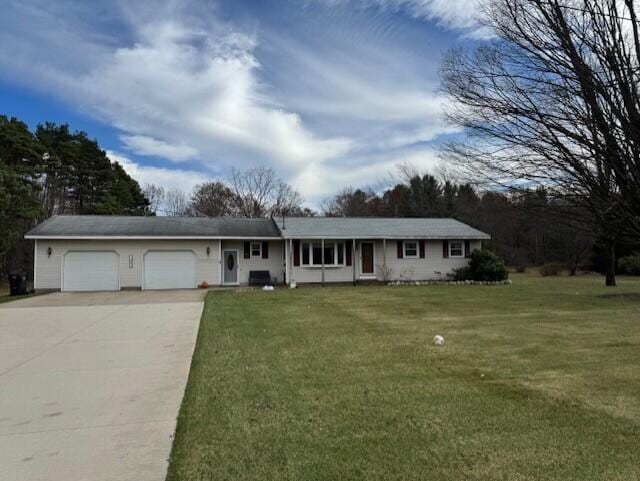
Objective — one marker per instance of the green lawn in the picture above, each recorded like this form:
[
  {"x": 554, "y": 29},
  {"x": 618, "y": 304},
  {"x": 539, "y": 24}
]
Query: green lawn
[{"x": 539, "y": 380}]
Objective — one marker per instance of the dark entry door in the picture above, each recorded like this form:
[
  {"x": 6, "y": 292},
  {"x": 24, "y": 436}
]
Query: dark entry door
[{"x": 367, "y": 258}]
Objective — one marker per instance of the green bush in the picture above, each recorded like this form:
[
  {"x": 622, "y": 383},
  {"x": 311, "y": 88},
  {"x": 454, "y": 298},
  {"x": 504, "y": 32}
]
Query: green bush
[
  {"x": 483, "y": 266},
  {"x": 551, "y": 269},
  {"x": 629, "y": 265}
]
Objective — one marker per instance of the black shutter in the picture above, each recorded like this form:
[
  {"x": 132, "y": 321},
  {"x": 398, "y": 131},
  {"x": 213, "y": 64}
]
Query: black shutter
[
  {"x": 347, "y": 258},
  {"x": 400, "y": 253},
  {"x": 467, "y": 248},
  {"x": 445, "y": 249},
  {"x": 247, "y": 250},
  {"x": 265, "y": 250},
  {"x": 296, "y": 253},
  {"x": 422, "y": 250}
]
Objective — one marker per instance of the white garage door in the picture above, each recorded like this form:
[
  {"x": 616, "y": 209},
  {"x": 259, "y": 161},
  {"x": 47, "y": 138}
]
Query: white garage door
[
  {"x": 169, "y": 270},
  {"x": 90, "y": 271}
]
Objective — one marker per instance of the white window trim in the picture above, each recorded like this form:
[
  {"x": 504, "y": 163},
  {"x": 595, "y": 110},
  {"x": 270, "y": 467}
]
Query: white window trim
[
  {"x": 461, "y": 249},
  {"x": 259, "y": 244},
  {"x": 404, "y": 249},
  {"x": 335, "y": 254}
]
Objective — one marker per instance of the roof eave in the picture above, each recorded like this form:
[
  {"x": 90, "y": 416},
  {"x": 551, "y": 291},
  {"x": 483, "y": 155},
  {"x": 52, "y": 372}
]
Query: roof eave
[
  {"x": 398, "y": 237},
  {"x": 146, "y": 237}
]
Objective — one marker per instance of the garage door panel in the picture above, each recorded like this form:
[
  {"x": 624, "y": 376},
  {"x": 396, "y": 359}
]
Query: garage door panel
[
  {"x": 91, "y": 271},
  {"x": 169, "y": 270}
]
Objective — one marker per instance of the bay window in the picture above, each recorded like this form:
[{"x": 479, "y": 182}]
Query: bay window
[{"x": 312, "y": 253}]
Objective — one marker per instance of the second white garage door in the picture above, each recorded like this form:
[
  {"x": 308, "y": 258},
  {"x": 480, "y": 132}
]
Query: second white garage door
[{"x": 169, "y": 270}]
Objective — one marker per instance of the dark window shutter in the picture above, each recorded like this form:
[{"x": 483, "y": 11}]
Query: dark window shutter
[
  {"x": 296, "y": 253},
  {"x": 400, "y": 253},
  {"x": 422, "y": 250},
  {"x": 445, "y": 249},
  {"x": 348, "y": 247},
  {"x": 467, "y": 248},
  {"x": 265, "y": 250},
  {"x": 247, "y": 250}
]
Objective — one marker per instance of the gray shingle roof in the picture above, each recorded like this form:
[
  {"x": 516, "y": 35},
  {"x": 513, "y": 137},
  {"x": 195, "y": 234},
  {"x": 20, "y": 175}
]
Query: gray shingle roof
[
  {"x": 81, "y": 226},
  {"x": 123, "y": 226},
  {"x": 370, "y": 227}
]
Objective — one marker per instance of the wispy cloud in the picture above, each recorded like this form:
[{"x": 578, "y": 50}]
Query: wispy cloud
[
  {"x": 144, "y": 145},
  {"x": 184, "y": 180},
  {"x": 461, "y": 15},
  {"x": 336, "y": 97}
]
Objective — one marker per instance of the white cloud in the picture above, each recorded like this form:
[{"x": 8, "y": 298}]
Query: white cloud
[
  {"x": 208, "y": 94},
  {"x": 179, "y": 84},
  {"x": 184, "y": 180},
  {"x": 450, "y": 14},
  {"x": 144, "y": 145},
  {"x": 321, "y": 180}
]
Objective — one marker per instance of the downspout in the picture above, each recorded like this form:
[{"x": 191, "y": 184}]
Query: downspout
[
  {"x": 353, "y": 259},
  {"x": 220, "y": 275},
  {"x": 322, "y": 257},
  {"x": 35, "y": 264},
  {"x": 384, "y": 260},
  {"x": 291, "y": 266},
  {"x": 286, "y": 261}
]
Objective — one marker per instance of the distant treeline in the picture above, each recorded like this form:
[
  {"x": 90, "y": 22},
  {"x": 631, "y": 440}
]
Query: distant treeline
[{"x": 528, "y": 227}]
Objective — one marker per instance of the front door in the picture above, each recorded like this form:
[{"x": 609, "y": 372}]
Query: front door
[
  {"x": 367, "y": 258},
  {"x": 230, "y": 267}
]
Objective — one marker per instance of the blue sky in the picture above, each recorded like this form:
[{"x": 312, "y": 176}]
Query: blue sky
[{"x": 330, "y": 93}]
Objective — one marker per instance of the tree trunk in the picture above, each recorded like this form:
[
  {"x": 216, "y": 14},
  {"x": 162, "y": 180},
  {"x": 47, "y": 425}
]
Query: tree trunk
[{"x": 610, "y": 279}]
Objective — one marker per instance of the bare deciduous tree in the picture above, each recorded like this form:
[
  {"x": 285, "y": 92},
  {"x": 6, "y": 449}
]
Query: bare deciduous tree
[
  {"x": 260, "y": 193},
  {"x": 155, "y": 194},
  {"x": 176, "y": 203},
  {"x": 213, "y": 199},
  {"x": 555, "y": 101}
]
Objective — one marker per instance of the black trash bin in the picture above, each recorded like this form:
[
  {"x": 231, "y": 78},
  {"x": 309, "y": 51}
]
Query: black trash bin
[{"x": 18, "y": 284}]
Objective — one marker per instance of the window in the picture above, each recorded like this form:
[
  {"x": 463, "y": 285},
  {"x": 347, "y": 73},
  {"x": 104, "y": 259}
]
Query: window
[
  {"x": 456, "y": 249},
  {"x": 410, "y": 249},
  {"x": 256, "y": 249},
  {"x": 312, "y": 254},
  {"x": 305, "y": 254},
  {"x": 329, "y": 253},
  {"x": 316, "y": 253}
]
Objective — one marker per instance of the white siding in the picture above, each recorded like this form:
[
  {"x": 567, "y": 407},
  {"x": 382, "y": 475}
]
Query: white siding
[
  {"x": 49, "y": 268},
  {"x": 433, "y": 266},
  {"x": 49, "y": 272},
  {"x": 274, "y": 264}
]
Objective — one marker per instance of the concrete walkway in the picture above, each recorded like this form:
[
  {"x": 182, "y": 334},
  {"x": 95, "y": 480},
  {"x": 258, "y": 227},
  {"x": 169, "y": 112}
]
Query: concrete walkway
[{"x": 91, "y": 384}]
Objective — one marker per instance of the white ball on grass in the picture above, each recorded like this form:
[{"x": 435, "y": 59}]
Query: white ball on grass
[{"x": 438, "y": 340}]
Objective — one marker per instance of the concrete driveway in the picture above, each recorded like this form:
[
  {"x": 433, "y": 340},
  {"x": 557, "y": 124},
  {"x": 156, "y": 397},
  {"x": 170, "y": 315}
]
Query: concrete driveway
[{"x": 91, "y": 384}]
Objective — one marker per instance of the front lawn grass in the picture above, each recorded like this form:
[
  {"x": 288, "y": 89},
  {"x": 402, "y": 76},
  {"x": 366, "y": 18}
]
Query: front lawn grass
[{"x": 537, "y": 381}]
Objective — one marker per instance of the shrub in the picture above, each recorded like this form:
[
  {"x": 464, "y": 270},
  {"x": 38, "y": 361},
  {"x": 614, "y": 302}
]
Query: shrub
[
  {"x": 551, "y": 269},
  {"x": 629, "y": 265},
  {"x": 483, "y": 266}
]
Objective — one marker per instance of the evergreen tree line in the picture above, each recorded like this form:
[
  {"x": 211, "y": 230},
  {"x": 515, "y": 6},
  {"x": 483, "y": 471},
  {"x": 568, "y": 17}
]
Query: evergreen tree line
[{"x": 54, "y": 171}]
